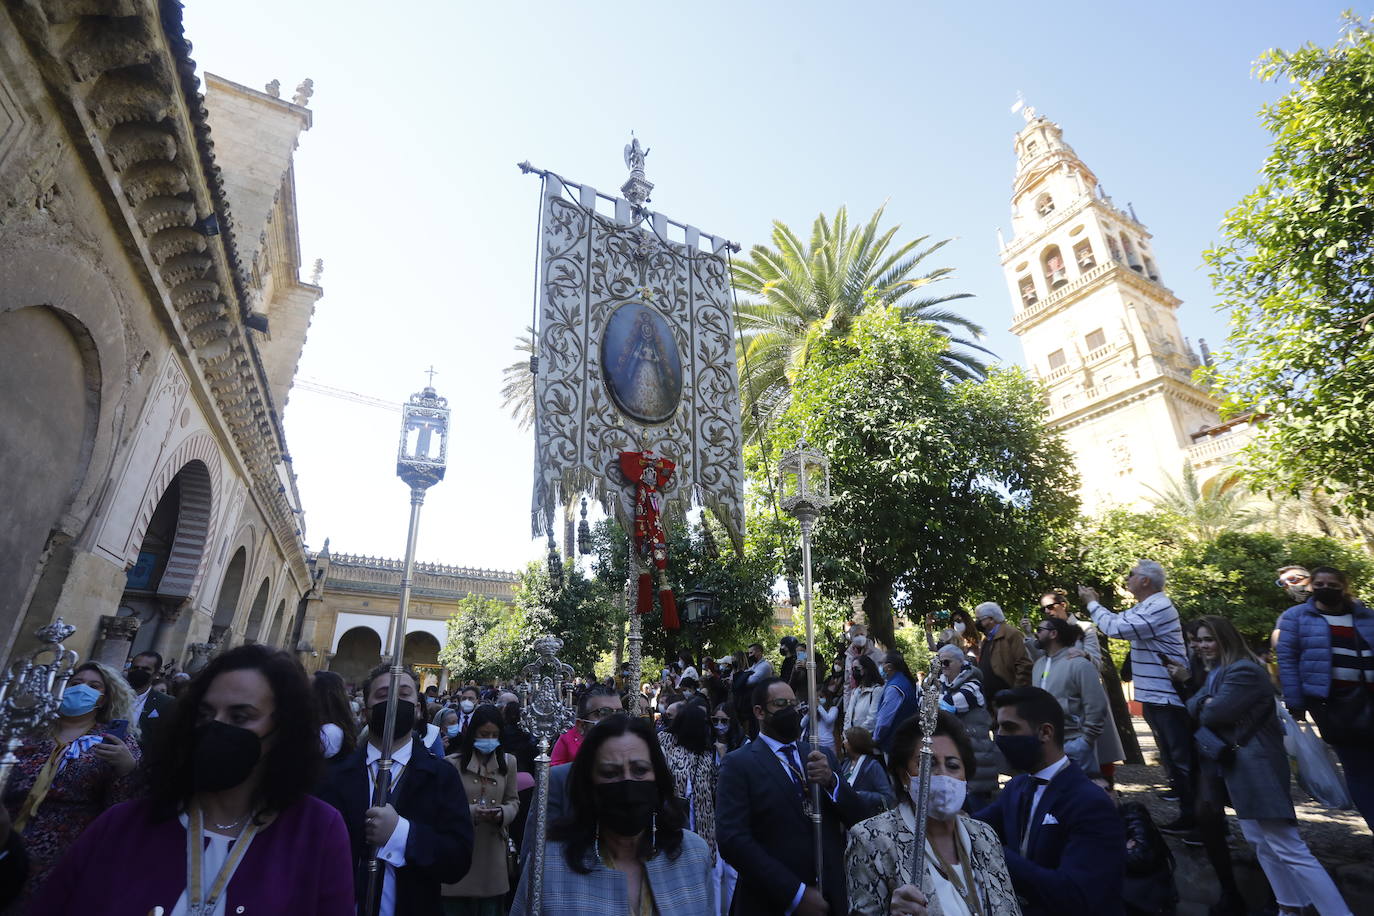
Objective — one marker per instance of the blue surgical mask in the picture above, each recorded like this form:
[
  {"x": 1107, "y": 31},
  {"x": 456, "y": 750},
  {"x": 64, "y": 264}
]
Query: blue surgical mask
[
  {"x": 78, "y": 699},
  {"x": 487, "y": 745},
  {"x": 451, "y": 731}
]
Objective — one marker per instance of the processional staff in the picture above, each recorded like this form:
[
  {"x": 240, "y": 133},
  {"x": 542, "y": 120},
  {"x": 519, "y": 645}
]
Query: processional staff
[
  {"x": 31, "y": 691},
  {"x": 545, "y": 717},
  {"x": 420, "y": 462},
  {"x": 929, "y": 712}
]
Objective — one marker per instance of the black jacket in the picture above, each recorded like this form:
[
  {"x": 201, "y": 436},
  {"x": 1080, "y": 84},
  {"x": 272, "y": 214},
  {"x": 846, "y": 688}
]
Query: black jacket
[
  {"x": 763, "y": 832},
  {"x": 430, "y": 794}
]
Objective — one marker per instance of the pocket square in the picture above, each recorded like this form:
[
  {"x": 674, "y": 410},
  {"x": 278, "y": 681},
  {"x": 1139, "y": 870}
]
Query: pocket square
[
  {"x": 1049, "y": 819},
  {"x": 153, "y": 714}
]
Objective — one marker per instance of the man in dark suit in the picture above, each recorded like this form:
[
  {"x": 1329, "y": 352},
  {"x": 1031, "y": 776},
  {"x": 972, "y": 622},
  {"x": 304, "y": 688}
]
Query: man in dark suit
[
  {"x": 424, "y": 834},
  {"x": 762, "y": 827},
  {"x": 1063, "y": 839},
  {"x": 150, "y": 706}
]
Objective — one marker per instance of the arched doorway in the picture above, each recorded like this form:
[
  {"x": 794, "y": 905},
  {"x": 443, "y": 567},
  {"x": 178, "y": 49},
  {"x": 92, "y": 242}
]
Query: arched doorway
[
  {"x": 421, "y": 652},
  {"x": 360, "y": 650},
  {"x": 253, "y": 632},
  {"x": 50, "y": 374},
  {"x": 277, "y": 622},
  {"x": 169, "y": 555},
  {"x": 228, "y": 600}
]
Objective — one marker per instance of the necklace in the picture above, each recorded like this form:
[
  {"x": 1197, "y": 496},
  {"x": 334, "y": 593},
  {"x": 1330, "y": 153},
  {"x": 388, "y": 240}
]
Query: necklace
[{"x": 232, "y": 824}]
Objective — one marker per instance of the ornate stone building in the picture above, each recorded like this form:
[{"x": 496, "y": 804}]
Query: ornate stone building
[
  {"x": 1100, "y": 329},
  {"x": 351, "y": 613},
  {"x": 151, "y": 317}
]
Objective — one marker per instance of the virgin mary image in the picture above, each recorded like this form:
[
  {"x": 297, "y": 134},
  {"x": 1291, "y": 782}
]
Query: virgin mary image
[{"x": 641, "y": 364}]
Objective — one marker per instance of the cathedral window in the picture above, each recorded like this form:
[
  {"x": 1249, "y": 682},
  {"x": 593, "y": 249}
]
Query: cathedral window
[
  {"x": 1096, "y": 340},
  {"x": 1044, "y": 204},
  {"x": 1083, "y": 254},
  {"x": 1057, "y": 359},
  {"x": 1053, "y": 263},
  {"x": 1028, "y": 296}
]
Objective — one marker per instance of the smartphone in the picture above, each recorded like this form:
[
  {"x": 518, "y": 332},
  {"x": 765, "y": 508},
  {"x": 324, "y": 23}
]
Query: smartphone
[{"x": 119, "y": 728}]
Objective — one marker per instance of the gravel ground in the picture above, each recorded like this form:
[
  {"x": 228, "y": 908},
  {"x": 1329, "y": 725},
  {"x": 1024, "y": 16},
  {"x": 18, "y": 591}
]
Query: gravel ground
[{"x": 1340, "y": 840}]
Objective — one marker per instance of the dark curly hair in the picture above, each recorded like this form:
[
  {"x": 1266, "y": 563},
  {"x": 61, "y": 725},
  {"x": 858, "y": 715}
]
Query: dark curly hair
[
  {"x": 290, "y": 764},
  {"x": 577, "y": 830},
  {"x": 906, "y": 743}
]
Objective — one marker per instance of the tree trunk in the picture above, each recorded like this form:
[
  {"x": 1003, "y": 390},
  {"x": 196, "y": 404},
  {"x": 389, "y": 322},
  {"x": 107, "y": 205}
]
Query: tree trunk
[
  {"x": 878, "y": 610},
  {"x": 1121, "y": 713}
]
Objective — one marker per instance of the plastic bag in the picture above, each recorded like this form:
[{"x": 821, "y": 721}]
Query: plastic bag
[{"x": 1313, "y": 764}]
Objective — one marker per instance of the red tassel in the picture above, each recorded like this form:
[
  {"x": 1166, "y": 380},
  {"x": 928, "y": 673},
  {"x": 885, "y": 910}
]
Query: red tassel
[
  {"x": 644, "y": 600},
  {"x": 665, "y": 598}
]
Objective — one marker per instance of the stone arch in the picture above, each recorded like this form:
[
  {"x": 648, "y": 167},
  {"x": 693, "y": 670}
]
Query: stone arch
[
  {"x": 253, "y": 630},
  {"x": 230, "y": 587},
  {"x": 421, "y": 648},
  {"x": 1052, "y": 265},
  {"x": 278, "y": 620},
  {"x": 197, "y": 462},
  {"x": 358, "y": 651},
  {"x": 51, "y": 375}
]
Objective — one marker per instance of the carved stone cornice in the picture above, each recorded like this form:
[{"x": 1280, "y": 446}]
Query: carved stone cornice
[
  {"x": 125, "y": 628},
  {"x": 121, "y": 74}
]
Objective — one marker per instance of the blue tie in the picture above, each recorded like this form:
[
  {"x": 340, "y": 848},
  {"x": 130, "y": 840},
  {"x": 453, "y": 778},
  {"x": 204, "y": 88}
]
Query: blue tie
[{"x": 794, "y": 768}]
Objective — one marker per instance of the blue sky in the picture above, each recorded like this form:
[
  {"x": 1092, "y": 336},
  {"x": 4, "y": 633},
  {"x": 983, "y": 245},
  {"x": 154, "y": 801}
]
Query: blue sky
[{"x": 409, "y": 191}]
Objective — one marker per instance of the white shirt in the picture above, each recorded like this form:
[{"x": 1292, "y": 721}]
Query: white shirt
[
  {"x": 331, "y": 739},
  {"x": 1046, "y": 774},
  {"x": 140, "y": 700},
  {"x": 393, "y": 853}
]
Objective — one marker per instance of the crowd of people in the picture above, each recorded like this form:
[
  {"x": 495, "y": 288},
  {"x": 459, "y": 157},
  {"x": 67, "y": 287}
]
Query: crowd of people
[{"x": 252, "y": 786}]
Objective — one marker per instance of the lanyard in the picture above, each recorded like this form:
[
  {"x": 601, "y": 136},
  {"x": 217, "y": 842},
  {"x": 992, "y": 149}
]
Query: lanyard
[{"x": 195, "y": 854}]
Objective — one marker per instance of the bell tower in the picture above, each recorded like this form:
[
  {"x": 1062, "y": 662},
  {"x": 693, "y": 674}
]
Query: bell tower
[{"x": 1098, "y": 327}]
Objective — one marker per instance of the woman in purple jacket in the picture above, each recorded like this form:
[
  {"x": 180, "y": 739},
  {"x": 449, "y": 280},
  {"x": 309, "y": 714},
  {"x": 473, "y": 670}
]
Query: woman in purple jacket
[{"x": 227, "y": 826}]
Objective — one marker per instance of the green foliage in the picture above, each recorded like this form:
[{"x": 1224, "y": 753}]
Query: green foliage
[
  {"x": 487, "y": 639},
  {"x": 802, "y": 293},
  {"x": 1294, "y": 271},
  {"x": 742, "y": 585},
  {"x": 1231, "y": 574},
  {"x": 944, "y": 493},
  {"x": 1206, "y": 511},
  {"x": 584, "y": 613}
]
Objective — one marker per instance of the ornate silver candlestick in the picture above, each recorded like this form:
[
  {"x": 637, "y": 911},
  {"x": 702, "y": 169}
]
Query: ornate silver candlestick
[
  {"x": 545, "y": 717},
  {"x": 31, "y": 691},
  {"x": 929, "y": 712}
]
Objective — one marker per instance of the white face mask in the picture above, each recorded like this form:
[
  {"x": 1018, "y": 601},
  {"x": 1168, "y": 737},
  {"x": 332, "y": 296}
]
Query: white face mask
[
  {"x": 861, "y": 640},
  {"x": 467, "y": 706},
  {"x": 947, "y": 795}
]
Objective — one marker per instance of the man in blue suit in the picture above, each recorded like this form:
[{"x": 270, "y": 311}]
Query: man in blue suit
[
  {"x": 1063, "y": 839},
  {"x": 762, "y": 826}
]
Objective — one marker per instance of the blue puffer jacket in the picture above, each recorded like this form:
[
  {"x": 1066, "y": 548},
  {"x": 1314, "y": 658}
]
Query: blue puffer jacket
[{"x": 1304, "y": 650}]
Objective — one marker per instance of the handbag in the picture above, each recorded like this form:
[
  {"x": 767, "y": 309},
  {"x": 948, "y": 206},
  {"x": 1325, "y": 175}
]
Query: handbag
[
  {"x": 512, "y": 856},
  {"x": 1346, "y": 719}
]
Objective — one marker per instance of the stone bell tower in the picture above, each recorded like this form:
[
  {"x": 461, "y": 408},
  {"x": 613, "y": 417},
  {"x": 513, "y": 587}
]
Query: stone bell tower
[{"x": 1099, "y": 328}]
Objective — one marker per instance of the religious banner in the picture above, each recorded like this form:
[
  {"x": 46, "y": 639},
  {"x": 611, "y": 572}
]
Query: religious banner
[{"x": 636, "y": 356}]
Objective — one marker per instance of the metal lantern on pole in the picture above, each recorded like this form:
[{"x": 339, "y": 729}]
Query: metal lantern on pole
[
  {"x": 420, "y": 462},
  {"x": 805, "y": 488}
]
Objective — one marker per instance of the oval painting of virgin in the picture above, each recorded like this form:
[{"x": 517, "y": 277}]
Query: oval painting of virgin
[{"x": 641, "y": 364}]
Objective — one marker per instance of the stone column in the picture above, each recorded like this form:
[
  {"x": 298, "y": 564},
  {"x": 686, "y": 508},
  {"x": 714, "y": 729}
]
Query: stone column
[
  {"x": 116, "y": 640},
  {"x": 168, "y": 615}
]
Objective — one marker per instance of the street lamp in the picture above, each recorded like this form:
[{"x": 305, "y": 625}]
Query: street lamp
[
  {"x": 421, "y": 461},
  {"x": 805, "y": 487}
]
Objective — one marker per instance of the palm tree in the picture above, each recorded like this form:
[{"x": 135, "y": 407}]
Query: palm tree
[
  {"x": 517, "y": 388},
  {"x": 799, "y": 292},
  {"x": 1207, "y": 509}
]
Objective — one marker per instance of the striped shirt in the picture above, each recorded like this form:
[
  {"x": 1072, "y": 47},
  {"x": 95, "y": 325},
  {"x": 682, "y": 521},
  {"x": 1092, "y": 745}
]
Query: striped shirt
[
  {"x": 1153, "y": 628},
  {"x": 1352, "y": 660}
]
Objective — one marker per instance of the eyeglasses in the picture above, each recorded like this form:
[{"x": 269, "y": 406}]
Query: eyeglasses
[
  {"x": 602, "y": 712},
  {"x": 1294, "y": 579},
  {"x": 779, "y": 705},
  {"x": 946, "y": 662},
  {"x": 1046, "y": 607},
  {"x": 721, "y": 720},
  {"x": 1044, "y": 628}
]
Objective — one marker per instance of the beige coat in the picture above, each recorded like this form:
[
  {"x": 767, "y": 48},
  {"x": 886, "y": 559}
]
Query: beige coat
[{"x": 487, "y": 877}]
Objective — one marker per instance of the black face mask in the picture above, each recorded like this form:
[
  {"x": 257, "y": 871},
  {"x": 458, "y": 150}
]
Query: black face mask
[
  {"x": 405, "y": 718},
  {"x": 1331, "y": 597},
  {"x": 223, "y": 756},
  {"x": 627, "y": 807},
  {"x": 785, "y": 724},
  {"x": 139, "y": 678}
]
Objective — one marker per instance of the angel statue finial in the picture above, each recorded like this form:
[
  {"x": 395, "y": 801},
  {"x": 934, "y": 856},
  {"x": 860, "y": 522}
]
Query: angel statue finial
[{"x": 634, "y": 156}]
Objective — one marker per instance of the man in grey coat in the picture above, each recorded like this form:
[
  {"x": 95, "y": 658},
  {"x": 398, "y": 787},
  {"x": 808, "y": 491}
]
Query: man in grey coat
[{"x": 1065, "y": 671}]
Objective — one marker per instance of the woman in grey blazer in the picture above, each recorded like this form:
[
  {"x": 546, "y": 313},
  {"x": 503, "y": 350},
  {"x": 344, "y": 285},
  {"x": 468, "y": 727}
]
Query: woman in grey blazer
[
  {"x": 1236, "y": 704},
  {"x": 864, "y": 772}
]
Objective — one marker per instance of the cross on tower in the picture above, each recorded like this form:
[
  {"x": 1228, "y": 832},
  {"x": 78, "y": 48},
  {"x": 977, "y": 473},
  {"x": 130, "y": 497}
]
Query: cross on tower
[{"x": 431, "y": 373}]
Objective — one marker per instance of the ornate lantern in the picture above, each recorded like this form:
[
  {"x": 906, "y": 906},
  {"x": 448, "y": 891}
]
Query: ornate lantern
[
  {"x": 423, "y": 455},
  {"x": 804, "y": 482},
  {"x": 701, "y": 605}
]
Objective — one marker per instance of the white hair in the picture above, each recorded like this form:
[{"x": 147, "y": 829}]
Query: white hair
[
  {"x": 949, "y": 650},
  {"x": 1152, "y": 571},
  {"x": 989, "y": 609}
]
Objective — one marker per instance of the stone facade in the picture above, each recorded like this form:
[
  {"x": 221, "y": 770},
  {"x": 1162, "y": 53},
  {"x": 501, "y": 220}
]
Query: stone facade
[
  {"x": 1100, "y": 330},
  {"x": 351, "y": 613},
  {"x": 143, "y": 467}
]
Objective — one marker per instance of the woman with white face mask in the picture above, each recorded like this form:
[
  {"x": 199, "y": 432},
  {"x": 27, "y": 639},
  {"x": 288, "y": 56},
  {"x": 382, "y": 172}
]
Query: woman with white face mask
[{"x": 966, "y": 874}]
